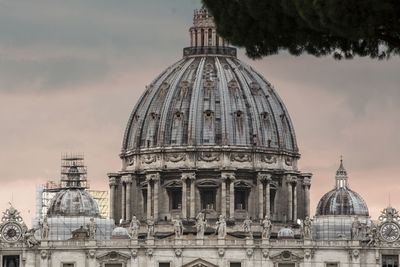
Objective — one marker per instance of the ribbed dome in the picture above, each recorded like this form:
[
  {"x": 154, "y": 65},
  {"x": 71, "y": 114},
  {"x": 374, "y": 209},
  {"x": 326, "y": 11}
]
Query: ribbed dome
[
  {"x": 73, "y": 202},
  {"x": 209, "y": 98},
  {"x": 285, "y": 233},
  {"x": 342, "y": 200}
]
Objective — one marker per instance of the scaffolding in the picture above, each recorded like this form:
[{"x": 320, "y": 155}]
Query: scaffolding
[{"x": 73, "y": 174}]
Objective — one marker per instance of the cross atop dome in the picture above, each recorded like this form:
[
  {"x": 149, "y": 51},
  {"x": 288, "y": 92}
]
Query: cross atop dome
[{"x": 341, "y": 175}]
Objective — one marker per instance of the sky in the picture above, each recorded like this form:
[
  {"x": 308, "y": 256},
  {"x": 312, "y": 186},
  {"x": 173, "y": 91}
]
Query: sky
[{"x": 71, "y": 72}]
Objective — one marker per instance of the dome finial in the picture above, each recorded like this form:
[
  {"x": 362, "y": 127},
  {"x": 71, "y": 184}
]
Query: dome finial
[{"x": 341, "y": 175}]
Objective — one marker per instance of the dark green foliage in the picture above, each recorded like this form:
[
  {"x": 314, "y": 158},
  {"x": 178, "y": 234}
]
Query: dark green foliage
[{"x": 342, "y": 28}]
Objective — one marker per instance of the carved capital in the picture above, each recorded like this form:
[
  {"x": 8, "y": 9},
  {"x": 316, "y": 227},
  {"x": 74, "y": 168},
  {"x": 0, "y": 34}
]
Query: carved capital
[
  {"x": 188, "y": 176},
  {"x": 152, "y": 177},
  {"x": 112, "y": 181},
  {"x": 228, "y": 176},
  {"x": 307, "y": 181},
  {"x": 126, "y": 179},
  {"x": 264, "y": 177},
  {"x": 290, "y": 179}
]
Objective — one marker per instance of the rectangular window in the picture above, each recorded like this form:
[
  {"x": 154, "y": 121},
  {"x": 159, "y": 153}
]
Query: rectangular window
[
  {"x": 208, "y": 199},
  {"x": 164, "y": 264},
  {"x": 240, "y": 199},
  {"x": 113, "y": 265},
  {"x": 332, "y": 264},
  {"x": 68, "y": 265},
  {"x": 390, "y": 261},
  {"x": 176, "y": 199},
  {"x": 287, "y": 265},
  {"x": 11, "y": 261},
  {"x": 235, "y": 264}
]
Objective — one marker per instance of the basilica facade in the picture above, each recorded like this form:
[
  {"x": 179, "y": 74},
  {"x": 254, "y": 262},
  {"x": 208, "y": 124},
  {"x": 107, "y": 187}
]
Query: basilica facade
[{"x": 209, "y": 178}]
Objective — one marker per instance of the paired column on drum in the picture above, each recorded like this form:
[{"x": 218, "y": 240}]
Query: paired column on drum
[
  {"x": 225, "y": 178},
  {"x": 153, "y": 183},
  {"x": 307, "y": 185},
  {"x": 292, "y": 197},
  {"x": 188, "y": 177},
  {"x": 113, "y": 186},
  {"x": 264, "y": 181},
  {"x": 126, "y": 212}
]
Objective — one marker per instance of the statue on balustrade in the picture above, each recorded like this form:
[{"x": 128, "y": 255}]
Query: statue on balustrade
[
  {"x": 30, "y": 239},
  {"x": 92, "y": 229},
  {"x": 266, "y": 228},
  {"x": 134, "y": 227},
  {"x": 355, "y": 229},
  {"x": 373, "y": 236},
  {"x": 307, "y": 230},
  {"x": 201, "y": 224},
  {"x": 45, "y": 228},
  {"x": 247, "y": 226},
  {"x": 150, "y": 227},
  {"x": 221, "y": 227},
  {"x": 178, "y": 227}
]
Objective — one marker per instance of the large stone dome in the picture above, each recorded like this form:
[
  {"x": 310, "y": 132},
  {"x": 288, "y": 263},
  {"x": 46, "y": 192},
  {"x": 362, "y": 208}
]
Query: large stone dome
[
  {"x": 342, "y": 200},
  {"x": 73, "y": 202},
  {"x": 209, "y": 133},
  {"x": 205, "y": 100}
]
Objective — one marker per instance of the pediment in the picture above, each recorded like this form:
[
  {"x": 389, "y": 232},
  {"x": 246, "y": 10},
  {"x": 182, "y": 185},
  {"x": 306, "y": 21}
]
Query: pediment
[
  {"x": 199, "y": 263},
  {"x": 286, "y": 256},
  {"x": 113, "y": 256}
]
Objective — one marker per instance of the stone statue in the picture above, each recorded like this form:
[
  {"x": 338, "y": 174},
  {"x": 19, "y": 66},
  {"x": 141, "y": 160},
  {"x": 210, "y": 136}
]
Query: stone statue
[
  {"x": 45, "y": 229},
  {"x": 307, "y": 224},
  {"x": 134, "y": 227},
  {"x": 355, "y": 229},
  {"x": 178, "y": 227},
  {"x": 92, "y": 229},
  {"x": 266, "y": 227},
  {"x": 247, "y": 226},
  {"x": 221, "y": 227},
  {"x": 30, "y": 239},
  {"x": 201, "y": 224},
  {"x": 150, "y": 227},
  {"x": 372, "y": 234}
]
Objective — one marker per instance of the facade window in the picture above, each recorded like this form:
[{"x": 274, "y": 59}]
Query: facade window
[
  {"x": 241, "y": 199},
  {"x": 175, "y": 199},
  {"x": 11, "y": 261},
  {"x": 113, "y": 265},
  {"x": 287, "y": 265},
  {"x": 390, "y": 261},
  {"x": 68, "y": 265},
  {"x": 164, "y": 264},
  {"x": 235, "y": 264},
  {"x": 332, "y": 264},
  {"x": 207, "y": 199}
]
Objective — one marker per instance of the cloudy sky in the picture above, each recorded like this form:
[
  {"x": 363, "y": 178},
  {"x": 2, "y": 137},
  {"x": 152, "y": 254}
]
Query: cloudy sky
[{"x": 71, "y": 71}]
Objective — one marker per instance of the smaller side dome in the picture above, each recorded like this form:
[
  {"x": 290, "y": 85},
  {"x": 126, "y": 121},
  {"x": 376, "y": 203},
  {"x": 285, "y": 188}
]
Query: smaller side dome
[
  {"x": 120, "y": 233},
  {"x": 73, "y": 202},
  {"x": 342, "y": 200},
  {"x": 285, "y": 233}
]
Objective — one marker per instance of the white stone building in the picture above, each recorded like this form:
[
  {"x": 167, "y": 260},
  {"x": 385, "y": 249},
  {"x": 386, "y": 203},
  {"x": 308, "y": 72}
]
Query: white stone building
[{"x": 209, "y": 178}]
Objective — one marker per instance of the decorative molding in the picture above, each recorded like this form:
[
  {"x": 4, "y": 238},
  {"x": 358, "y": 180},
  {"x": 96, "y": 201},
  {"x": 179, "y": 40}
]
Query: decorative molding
[
  {"x": 209, "y": 156},
  {"x": 175, "y": 157},
  {"x": 113, "y": 256},
  {"x": 241, "y": 157},
  {"x": 270, "y": 159},
  {"x": 148, "y": 158}
]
